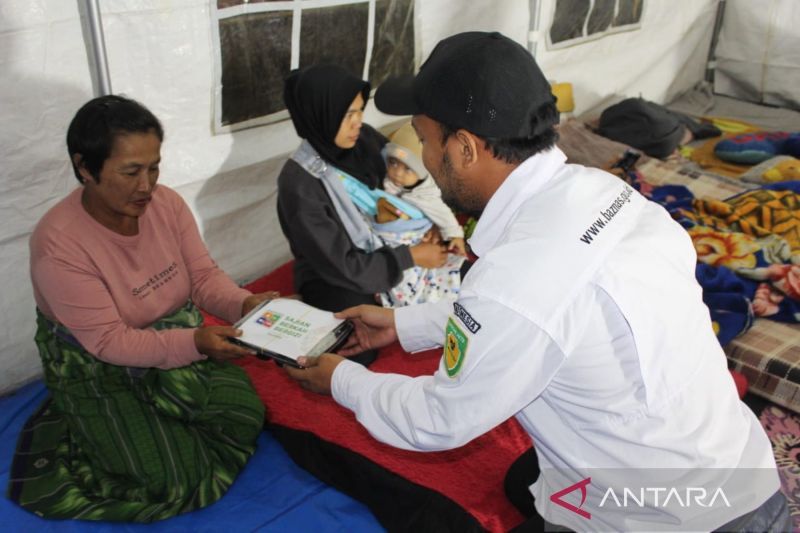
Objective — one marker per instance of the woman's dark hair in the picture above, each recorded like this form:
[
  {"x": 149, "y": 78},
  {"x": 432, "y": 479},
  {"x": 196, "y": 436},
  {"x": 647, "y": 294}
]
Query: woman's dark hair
[
  {"x": 515, "y": 151},
  {"x": 94, "y": 127}
]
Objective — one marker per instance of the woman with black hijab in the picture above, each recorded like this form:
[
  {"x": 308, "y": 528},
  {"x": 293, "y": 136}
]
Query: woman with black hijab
[{"x": 339, "y": 261}]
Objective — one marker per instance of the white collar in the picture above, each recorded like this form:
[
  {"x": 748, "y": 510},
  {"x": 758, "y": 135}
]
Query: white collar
[{"x": 521, "y": 184}]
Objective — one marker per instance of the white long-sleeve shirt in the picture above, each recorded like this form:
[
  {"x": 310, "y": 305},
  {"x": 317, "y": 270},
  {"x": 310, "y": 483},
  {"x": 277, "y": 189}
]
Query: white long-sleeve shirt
[{"x": 583, "y": 319}]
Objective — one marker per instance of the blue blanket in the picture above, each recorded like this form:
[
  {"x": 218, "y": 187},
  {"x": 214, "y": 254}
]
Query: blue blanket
[{"x": 271, "y": 493}]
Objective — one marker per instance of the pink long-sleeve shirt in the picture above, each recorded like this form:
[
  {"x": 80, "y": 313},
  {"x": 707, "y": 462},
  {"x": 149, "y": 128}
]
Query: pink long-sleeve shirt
[{"x": 106, "y": 288}]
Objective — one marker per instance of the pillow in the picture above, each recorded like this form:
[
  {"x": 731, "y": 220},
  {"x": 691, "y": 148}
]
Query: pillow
[
  {"x": 778, "y": 168},
  {"x": 754, "y": 148}
]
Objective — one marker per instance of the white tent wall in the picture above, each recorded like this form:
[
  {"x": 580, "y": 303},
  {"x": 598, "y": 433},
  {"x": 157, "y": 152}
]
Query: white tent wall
[
  {"x": 44, "y": 78},
  {"x": 758, "y": 55},
  {"x": 161, "y": 53},
  {"x": 662, "y": 59}
]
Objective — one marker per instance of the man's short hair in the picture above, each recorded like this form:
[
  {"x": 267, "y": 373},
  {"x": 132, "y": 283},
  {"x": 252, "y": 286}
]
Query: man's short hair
[
  {"x": 516, "y": 150},
  {"x": 95, "y": 126}
]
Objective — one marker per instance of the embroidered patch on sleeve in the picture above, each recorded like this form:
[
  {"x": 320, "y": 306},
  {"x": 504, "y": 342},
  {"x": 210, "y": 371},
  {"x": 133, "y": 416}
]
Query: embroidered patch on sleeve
[
  {"x": 466, "y": 318},
  {"x": 455, "y": 348}
]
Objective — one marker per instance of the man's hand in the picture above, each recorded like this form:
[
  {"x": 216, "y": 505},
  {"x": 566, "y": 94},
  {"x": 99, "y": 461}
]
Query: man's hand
[
  {"x": 457, "y": 246},
  {"x": 374, "y": 328},
  {"x": 213, "y": 342},
  {"x": 316, "y": 373},
  {"x": 428, "y": 255},
  {"x": 254, "y": 299}
]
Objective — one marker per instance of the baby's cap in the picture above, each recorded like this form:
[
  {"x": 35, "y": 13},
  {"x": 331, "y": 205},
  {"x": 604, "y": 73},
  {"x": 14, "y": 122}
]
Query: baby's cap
[{"x": 405, "y": 146}]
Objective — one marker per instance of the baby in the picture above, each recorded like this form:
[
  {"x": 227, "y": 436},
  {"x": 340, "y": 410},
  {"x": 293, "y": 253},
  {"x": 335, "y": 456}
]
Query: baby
[{"x": 407, "y": 178}]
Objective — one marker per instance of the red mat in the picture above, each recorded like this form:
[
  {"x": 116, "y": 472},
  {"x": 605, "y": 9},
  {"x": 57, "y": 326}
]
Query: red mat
[{"x": 471, "y": 476}]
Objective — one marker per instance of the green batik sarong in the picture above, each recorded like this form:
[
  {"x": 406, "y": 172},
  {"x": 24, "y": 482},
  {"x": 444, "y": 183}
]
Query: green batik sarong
[{"x": 132, "y": 444}]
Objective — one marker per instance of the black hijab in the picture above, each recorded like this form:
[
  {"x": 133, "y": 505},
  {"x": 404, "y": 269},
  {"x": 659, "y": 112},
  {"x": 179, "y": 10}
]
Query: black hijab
[{"x": 318, "y": 98}]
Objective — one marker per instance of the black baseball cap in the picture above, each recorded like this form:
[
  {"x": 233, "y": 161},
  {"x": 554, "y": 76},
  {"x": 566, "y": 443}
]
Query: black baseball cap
[{"x": 483, "y": 82}]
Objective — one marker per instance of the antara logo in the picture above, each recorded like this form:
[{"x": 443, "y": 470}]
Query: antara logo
[
  {"x": 556, "y": 498},
  {"x": 644, "y": 497},
  {"x": 662, "y": 496}
]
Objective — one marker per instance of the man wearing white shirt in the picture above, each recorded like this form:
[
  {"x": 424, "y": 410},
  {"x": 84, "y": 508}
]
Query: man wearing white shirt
[{"x": 581, "y": 318}]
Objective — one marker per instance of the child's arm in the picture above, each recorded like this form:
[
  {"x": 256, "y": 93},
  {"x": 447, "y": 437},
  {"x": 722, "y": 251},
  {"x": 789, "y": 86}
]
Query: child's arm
[{"x": 457, "y": 246}]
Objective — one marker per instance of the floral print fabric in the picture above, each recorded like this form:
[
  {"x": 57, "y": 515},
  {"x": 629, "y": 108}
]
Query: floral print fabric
[{"x": 748, "y": 252}]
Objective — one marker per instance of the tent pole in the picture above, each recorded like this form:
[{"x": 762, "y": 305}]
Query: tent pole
[
  {"x": 533, "y": 32},
  {"x": 711, "y": 63},
  {"x": 97, "y": 47}
]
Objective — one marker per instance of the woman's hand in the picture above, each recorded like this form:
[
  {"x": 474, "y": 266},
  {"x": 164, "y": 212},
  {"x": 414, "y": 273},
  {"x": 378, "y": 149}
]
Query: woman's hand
[
  {"x": 428, "y": 255},
  {"x": 374, "y": 328},
  {"x": 213, "y": 342},
  {"x": 254, "y": 299}
]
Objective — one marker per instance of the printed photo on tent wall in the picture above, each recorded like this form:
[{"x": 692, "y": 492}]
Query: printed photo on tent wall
[
  {"x": 256, "y": 44},
  {"x": 578, "y": 21}
]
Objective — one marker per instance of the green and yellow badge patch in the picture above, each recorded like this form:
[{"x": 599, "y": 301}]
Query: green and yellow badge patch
[{"x": 455, "y": 348}]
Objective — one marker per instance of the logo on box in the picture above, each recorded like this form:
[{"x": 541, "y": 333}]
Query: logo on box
[{"x": 268, "y": 319}]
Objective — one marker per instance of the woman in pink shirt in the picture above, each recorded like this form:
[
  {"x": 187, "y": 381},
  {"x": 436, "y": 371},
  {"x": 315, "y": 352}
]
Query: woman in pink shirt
[{"x": 147, "y": 418}]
